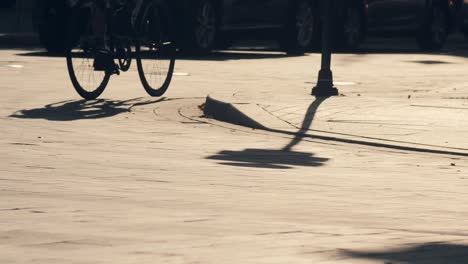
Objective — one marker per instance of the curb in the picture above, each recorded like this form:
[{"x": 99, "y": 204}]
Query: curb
[{"x": 227, "y": 112}]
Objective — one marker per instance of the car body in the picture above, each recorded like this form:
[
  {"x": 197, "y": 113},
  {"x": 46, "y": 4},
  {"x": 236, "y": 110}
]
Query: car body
[
  {"x": 243, "y": 14},
  {"x": 430, "y": 21},
  {"x": 464, "y": 27},
  {"x": 277, "y": 19},
  {"x": 15, "y": 16},
  {"x": 7, "y": 3},
  {"x": 407, "y": 16},
  {"x": 234, "y": 19},
  {"x": 222, "y": 20}
]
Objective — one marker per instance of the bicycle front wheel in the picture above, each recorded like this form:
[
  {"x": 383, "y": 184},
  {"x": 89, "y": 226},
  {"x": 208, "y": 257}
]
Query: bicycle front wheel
[
  {"x": 81, "y": 52},
  {"x": 155, "y": 50}
]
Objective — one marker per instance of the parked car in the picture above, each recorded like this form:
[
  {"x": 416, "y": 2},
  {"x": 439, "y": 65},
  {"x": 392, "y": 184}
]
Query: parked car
[
  {"x": 51, "y": 23},
  {"x": 464, "y": 27},
  {"x": 203, "y": 25},
  {"x": 7, "y": 3},
  {"x": 429, "y": 21},
  {"x": 208, "y": 24}
]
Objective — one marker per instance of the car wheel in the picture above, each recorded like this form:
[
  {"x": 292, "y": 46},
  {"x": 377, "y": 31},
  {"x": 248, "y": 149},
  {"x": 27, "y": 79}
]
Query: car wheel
[
  {"x": 300, "y": 31},
  {"x": 434, "y": 31},
  {"x": 223, "y": 42},
  {"x": 352, "y": 31},
  {"x": 203, "y": 31}
]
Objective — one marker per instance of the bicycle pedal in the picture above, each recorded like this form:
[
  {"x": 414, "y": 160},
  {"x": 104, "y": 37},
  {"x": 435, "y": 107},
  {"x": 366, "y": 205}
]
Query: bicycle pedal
[
  {"x": 104, "y": 61},
  {"x": 116, "y": 69}
]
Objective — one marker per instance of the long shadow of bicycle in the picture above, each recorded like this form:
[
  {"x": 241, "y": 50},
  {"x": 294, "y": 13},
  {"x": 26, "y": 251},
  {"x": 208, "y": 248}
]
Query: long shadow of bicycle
[{"x": 79, "y": 110}]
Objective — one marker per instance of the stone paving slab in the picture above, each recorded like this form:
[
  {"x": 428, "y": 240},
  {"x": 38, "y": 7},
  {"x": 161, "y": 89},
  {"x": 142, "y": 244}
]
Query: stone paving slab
[{"x": 133, "y": 179}]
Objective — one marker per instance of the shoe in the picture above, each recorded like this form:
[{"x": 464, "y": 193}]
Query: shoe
[{"x": 104, "y": 61}]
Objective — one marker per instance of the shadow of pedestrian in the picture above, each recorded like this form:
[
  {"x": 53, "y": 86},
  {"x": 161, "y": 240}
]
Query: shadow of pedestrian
[
  {"x": 284, "y": 158},
  {"x": 430, "y": 253},
  {"x": 79, "y": 110}
]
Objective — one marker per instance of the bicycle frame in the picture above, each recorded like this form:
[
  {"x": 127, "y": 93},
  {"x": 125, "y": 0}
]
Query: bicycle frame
[{"x": 110, "y": 32}]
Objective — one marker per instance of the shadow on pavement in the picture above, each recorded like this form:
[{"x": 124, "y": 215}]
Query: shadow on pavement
[
  {"x": 307, "y": 123},
  {"x": 430, "y": 253},
  {"x": 40, "y": 53},
  {"x": 456, "y": 46},
  {"x": 213, "y": 56},
  {"x": 239, "y": 55},
  {"x": 360, "y": 140},
  {"x": 277, "y": 159},
  {"x": 268, "y": 159},
  {"x": 79, "y": 110},
  {"x": 252, "y": 50}
]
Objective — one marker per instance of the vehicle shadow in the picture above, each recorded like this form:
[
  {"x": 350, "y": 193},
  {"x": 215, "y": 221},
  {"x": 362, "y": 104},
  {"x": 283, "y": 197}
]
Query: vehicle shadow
[
  {"x": 285, "y": 158},
  {"x": 429, "y": 253},
  {"x": 258, "y": 54},
  {"x": 82, "y": 109},
  {"x": 456, "y": 46},
  {"x": 221, "y": 55},
  {"x": 229, "y": 55}
]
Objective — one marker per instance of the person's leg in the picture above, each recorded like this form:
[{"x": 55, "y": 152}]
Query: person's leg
[
  {"x": 104, "y": 60},
  {"x": 100, "y": 24}
]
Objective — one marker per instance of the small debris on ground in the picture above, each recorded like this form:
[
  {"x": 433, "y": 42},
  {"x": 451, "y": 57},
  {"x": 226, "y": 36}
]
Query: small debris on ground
[{"x": 202, "y": 107}]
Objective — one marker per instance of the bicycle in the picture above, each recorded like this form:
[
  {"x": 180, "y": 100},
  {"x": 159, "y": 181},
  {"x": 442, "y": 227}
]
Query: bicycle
[{"x": 140, "y": 30}]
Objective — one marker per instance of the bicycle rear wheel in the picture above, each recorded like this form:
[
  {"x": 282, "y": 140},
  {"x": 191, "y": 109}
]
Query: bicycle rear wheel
[
  {"x": 81, "y": 52},
  {"x": 155, "y": 49}
]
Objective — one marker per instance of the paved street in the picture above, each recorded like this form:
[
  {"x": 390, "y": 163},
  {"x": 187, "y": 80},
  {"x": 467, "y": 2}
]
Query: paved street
[{"x": 376, "y": 175}]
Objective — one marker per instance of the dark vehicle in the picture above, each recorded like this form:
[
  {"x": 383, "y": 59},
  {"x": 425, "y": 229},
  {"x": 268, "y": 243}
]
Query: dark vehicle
[
  {"x": 464, "y": 27},
  {"x": 7, "y": 16},
  {"x": 429, "y": 21},
  {"x": 208, "y": 24},
  {"x": 16, "y": 17},
  {"x": 7, "y": 3},
  {"x": 52, "y": 22},
  {"x": 203, "y": 25}
]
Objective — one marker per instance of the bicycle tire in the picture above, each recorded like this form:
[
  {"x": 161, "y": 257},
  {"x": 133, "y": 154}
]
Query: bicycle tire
[
  {"x": 155, "y": 44},
  {"x": 82, "y": 76}
]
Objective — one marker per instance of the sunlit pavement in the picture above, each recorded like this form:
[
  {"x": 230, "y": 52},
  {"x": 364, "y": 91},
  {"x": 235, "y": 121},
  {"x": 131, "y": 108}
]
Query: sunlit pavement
[{"x": 134, "y": 179}]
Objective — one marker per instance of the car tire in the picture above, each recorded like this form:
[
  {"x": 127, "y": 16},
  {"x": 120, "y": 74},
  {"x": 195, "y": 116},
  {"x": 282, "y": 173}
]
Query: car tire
[
  {"x": 223, "y": 42},
  {"x": 300, "y": 31},
  {"x": 435, "y": 29},
  {"x": 52, "y": 25},
  {"x": 351, "y": 28},
  {"x": 203, "y": 28}
]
